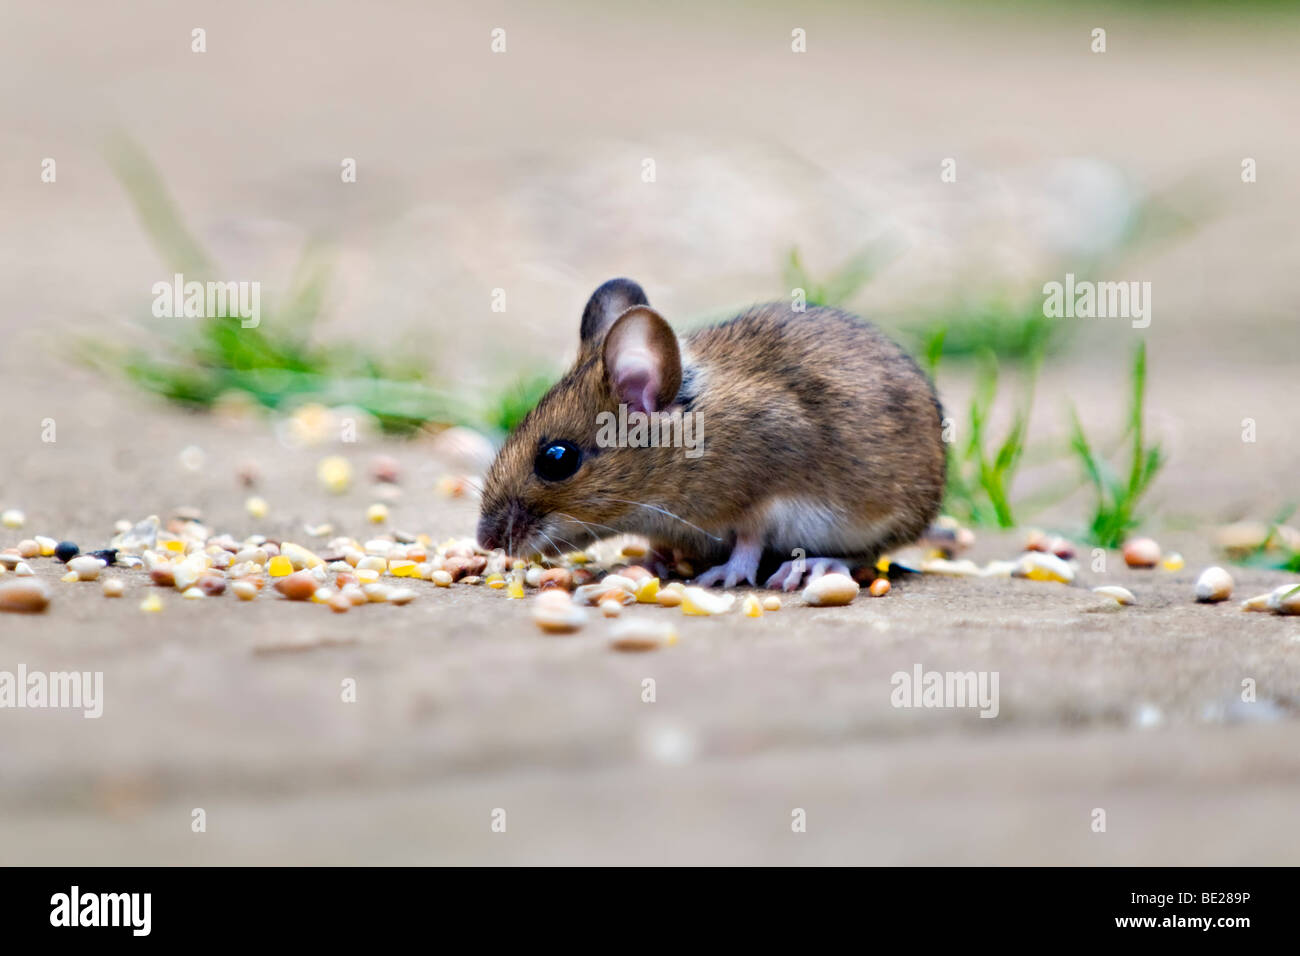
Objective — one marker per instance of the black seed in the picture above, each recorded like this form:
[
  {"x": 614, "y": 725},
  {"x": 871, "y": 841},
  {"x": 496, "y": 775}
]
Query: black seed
[
  {"x": 108, "y": 556},
  {"x": 65, "y": 551}
]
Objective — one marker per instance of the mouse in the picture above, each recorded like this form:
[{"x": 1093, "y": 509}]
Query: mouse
[{"x": 803, "y": 436}]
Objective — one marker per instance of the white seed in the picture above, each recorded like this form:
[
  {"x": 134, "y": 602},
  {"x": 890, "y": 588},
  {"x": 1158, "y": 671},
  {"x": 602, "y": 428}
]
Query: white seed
[
  {"x": 771, "y": 603},
  {"x": 13, "y": 518},
  {"x": 1214, "y": 584},
  {"x": 28, "y": 596},
  {"x": 1260, "y": 602},
  {"x": 1141, "y": 553},
  {"x": 555, "y": 613},
  {"x": 642, "y": 634},
  {"x": 193, "y": 594},
  {"x": 701, "y": 602},
  {"x": 377, "y": 593},
  {"x": 113, "y": 587},
  {"x": 831, "y": 590},
  {"x": 23, "y": 569},
  {"x": 442, "y": 579},
  {"x": 1287, "y": 599},
  {"x": 86, "y": 567},
  {"x": 960, "y": 569},
  {"x": 255, "y": 555},
  {"x": 999, "y": 569},
  {"x": 401, "y": 596},
  {"x": 1122, "y": 595},
  {"x": 1041, "y": 566},
  {"x": 618, "y": 581},
  {"x": 186, "y": 573},
  {"x": 244, "y": 590},
  {"x": 590, "y": 594}
]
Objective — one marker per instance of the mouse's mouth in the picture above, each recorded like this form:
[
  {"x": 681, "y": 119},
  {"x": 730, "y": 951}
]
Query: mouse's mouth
[
  {"x": 557, "y": 535},
  {"x": 522, "y": 533}
]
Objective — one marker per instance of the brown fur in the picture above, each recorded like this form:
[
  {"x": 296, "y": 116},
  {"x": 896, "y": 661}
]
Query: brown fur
[{"x": 816, "y": 406}]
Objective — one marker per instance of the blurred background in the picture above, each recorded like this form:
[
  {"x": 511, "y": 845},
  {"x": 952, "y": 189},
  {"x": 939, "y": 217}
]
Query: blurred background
[{"x": 520, "y": 177}]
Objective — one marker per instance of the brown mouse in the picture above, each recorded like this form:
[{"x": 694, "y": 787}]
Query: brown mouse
[{"x": 816, "y": 440}]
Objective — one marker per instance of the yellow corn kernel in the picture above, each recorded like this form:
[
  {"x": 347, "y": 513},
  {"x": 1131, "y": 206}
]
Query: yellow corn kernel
[
  {"x": 403, "y": 569},
  {"x": 334, "y": 474},
  {"x": 751, "y": 607},
  {"x": 497, "y": 581},
  {"x": 152, "y": 604},
  {"x": 256, "y": 507},
  {"x": 516, "y": 588},
  {"x": 377, "y": 513},
  {"x": 367, "y": 575},
  {"x": 279, "y": 566},
  {"x": 647, "y": 591},
  {"x": 1173, "y": 562}
]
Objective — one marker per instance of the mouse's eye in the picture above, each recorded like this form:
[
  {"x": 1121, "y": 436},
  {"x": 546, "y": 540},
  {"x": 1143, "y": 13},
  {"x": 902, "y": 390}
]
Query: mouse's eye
[{"x": 557, "y": 461}]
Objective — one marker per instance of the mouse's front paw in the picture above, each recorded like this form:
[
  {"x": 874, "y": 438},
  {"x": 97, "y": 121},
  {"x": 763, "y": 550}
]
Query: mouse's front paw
[{"x": 740, "y": 568}]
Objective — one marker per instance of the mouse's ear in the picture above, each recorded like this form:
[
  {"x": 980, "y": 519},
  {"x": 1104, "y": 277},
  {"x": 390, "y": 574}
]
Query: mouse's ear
[
  {"x": 606, "y": 304},
  {"x": 643, "y": 362}
]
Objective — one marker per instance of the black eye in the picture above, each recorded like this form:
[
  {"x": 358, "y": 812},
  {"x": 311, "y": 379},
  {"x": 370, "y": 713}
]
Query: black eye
[{"x": 557, "y": 461}]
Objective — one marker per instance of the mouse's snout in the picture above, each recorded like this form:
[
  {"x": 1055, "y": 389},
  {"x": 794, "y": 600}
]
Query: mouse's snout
[
  {"x": 487, "y": 533},
  {"x": 506, "y": 527}
]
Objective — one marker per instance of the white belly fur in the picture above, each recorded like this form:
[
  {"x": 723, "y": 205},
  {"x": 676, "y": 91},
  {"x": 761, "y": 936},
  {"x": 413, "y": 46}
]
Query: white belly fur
[{"x": 789, "y": 523}]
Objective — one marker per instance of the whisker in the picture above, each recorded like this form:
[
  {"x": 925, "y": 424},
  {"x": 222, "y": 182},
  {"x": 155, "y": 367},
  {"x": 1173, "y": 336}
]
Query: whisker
[
  {"x": 666, "y": 512},
  {"x": 558, "y": 549},
  {"x": 587, "y": 524},
  {"x": 566, "y": 541}
]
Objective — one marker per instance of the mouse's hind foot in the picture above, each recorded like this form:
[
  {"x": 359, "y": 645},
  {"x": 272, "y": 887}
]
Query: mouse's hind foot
[{"x": 792, "y": 574}]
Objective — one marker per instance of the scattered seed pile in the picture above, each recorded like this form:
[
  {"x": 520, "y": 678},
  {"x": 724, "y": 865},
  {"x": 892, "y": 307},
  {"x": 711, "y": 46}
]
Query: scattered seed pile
[{"x": 187, "y": 556}]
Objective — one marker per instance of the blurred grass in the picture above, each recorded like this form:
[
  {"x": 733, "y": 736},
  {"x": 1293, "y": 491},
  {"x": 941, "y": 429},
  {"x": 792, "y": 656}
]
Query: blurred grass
[
  {"x": 1115, "y": 509},
  {"x": 980, "y": 479},
  {"x": 197, "y": 363}
]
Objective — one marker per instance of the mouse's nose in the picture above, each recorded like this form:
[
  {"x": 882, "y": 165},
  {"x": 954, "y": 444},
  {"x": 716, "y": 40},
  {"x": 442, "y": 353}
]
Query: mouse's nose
[
  {"x": 489, "y": 536},
  {"x": 505, "y": 527}
]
